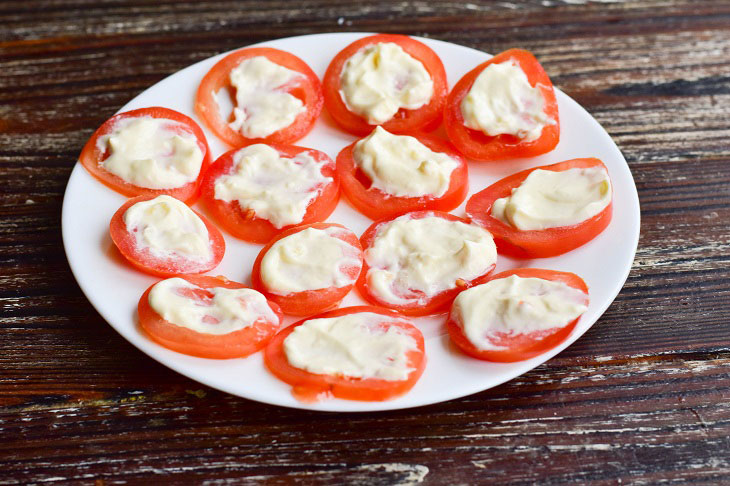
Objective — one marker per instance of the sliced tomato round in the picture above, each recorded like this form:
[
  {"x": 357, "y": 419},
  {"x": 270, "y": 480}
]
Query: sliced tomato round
[
  {"x": 243, "y": 223},
  {"x": 377, "y": 204},
  {"x": 536, "y": 243},
  {"x": 307, "y": 89},
  {"x": 476, "y": 144},
  {"x": 92, "y": 157},
  {"x": 435, "y": 304},
  {"x": 145, "y": 261},
  {"x": 425, "y": 118},
  {"x": 236, "y": 344},
  {"x": 310, "y": 386},
  {"x": 310, "y": 301},
  {"x": 519, "y": 347}
]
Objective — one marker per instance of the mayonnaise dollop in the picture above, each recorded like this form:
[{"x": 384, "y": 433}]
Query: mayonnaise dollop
[
  {"x": 218, "y": 311},
  {"x": 514, "y": 305},
  {"x": 402, "y": 166},
  {"x": 263, "y": 106},
  {"x": 550, "y": 199},
  {"x": 353, "y": 345},
  {"x": 311, "y": 259},
  {"x": 380, "y": 79},
  {"x": 276, "y": 188},
  {"x": 412, "y": 260},
  {"x": 502, "y": 102},
  {"x": 168, "y": 227},
  {"x": 153, "y": 153}
]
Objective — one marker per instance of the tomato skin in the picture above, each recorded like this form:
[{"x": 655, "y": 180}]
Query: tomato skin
[
  {"x": 144, "y": 261},
  {"x": 368, "y": 389},
  {"x": 236, "y": 344},
  {"x": 244, "y": 224},
  {"x": 426, "y": 118},
  {"x": 377, "y": 204},
  {"x": 91, "y": 157},
  {"x": 476, "y": 144},
  {"x": 536, "y": 243},
  {"x": 310, "y": 301},
  {"x": 522, "y": 346},
  {"x": 309, "y": 91},
  {"x": 437, "y": 304}
]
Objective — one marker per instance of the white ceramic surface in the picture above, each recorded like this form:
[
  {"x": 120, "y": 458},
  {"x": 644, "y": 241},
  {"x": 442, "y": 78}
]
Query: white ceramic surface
[{"x": 114, "y": 288}]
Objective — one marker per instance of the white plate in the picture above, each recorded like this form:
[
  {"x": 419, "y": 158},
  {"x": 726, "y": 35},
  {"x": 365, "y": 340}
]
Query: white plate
[{"x": 114, "y": 288}]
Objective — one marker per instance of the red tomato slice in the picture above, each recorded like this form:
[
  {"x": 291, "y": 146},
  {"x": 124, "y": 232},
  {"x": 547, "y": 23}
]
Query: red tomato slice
[
  {"x": 311, "y": 301},
  {"x": 476, "y": 144},
  {"x": 521, "y": 346},
  {"x": 425, "y": 118},
  {"x": 145, "y": 261},
  {"x": 434, "y": 305},
  {"x": 91, "y": 157},
  {"x": 538, "y": 243},
  {"x": 308, "y": 385},
  {"x": 243, "y": 223},
  {"x": 236, "y": 344},
  {"x": 307, "y": 89},
  {"x": 377, "y": 204}
]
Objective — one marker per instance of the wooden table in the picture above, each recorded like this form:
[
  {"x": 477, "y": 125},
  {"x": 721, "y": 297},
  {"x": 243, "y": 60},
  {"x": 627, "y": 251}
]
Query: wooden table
[{"x": 641, "y": 398}]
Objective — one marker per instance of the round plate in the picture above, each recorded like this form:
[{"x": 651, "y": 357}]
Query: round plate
[{"x": 114, "y": 288}]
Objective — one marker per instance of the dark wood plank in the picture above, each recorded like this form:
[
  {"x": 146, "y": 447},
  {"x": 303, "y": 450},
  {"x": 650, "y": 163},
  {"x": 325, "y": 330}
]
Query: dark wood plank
[{"x": 641, "y": 398}]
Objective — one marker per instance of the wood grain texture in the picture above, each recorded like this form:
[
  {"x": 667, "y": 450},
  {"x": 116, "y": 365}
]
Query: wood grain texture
[{"x": 642, "y": 398}]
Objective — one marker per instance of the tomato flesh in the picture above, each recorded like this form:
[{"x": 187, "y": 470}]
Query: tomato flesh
[
  {"x": 520, "y": 346},
  {"x": 476, "y": 144},
  {"x": 535, "y": 243}
]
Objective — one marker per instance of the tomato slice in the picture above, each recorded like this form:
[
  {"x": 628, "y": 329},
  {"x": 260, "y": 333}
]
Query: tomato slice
[
  {"x": 437, "y": 303},
  {"x": 308, "y": 385},
  {"x": 307, "y": 89},
  {"x": 243, "y": 223},
  {"x": 236, "y": 344},
  {"x": 425, "y": 118},
  {"x": 377, "y": 204},
  {"x": 310, "y": 301},
  {"x": 477, "y": 145},
  {"x": 521, "y": 346},
  {"x": 538, "y": 243},
  {"x": 91, "y": 157},
  {"x": 145, "y": 261}
]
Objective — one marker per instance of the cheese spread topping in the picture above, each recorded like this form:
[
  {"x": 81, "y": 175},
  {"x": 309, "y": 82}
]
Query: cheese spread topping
[
  {"x": 412, "y": 260},
  {"x": 402, "y": 166},
  {"x": 153, "y": 153},
  {"x": 168, "y": 227},
  {"x": 549, "y": 199},
  {"x": 353, "y": 345},
  {"x": 216, "y": 310},
  {"x": 309, "y": 260},
  {"x": 263, "y": 106},
  {"x": 276, "y": 188},
  {"x": 380, "y": 79},
  {"x": 502, "y": 102},
  {"x": 514, "y": 305}
]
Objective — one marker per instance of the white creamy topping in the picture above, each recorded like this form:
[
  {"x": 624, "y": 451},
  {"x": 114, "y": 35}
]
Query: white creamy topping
[
  {"x": 402, "y": 166},
  {"x": 217, "y": 310},
  {"x": 514, "y": 305},
  {"x": 308, "y": 260},
  {"x": 168, "y": 227},
  {"x": 262, "y": 104},
  {"x": 414, "y": 259},
  {"x": 549, "y": 199},
  {"x": 501, "y": 101},
  {"x": 353, "y": 345},
  {"x": 382, "y": 78},
  {"x": 276, "y": 188},
  {"x": 153, "y": 153}
]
